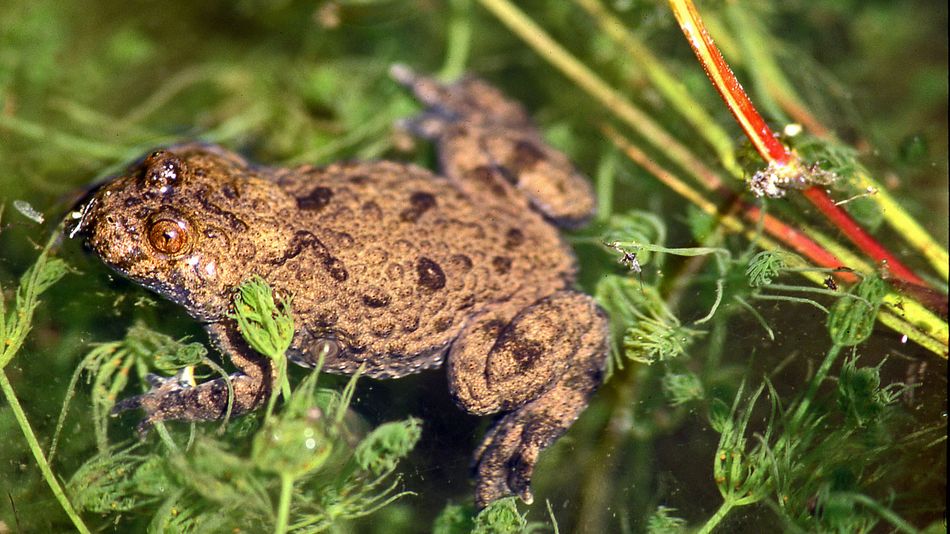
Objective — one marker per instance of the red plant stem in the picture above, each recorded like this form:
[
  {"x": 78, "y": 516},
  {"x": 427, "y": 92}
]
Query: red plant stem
[
  {"x": 798, "y": 241},
  {"x": 725, "y": 82},
  {"x": 870, "y": 246},
  {"x": 769, "y": 147},
  {"x": 789, "y": 236}
]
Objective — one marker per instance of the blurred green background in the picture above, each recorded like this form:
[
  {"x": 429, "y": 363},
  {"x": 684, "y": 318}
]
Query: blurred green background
[{"x": 86, "y": 87}]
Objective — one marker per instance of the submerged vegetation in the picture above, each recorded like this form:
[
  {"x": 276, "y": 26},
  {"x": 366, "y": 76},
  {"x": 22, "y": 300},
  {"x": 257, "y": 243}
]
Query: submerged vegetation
[{"x": 752, "y": 381}]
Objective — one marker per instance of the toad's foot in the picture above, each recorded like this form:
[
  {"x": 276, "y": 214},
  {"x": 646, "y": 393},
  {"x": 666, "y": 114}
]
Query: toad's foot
[
  {"x": 542, "y": 366},
  {"x": 177, "y": 398},
  {"x": 489, "y": 147}
]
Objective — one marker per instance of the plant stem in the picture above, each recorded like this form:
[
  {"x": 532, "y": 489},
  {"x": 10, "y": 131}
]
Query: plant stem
[
  {"x": 776, "y": 85},
  {"x": 815, "y": 383},
  {"x": 717, "y": 518},
  {"x": 726, "y": 83},
  {"x": 798, "y": 240},
  {"x": 587, "y": 80},
  {"x": 792, "y": 237},
  {"x": 902, "y": 314},
  {"x": 37, "y": 451},
  {"x": 459, "y": 40},
  {"x": 864, "y": 241},
  {"x": 641, "y": 122},
  {"x": 666, "y": 83},
  {"x": 767, "y": 144},
  {"x": 283, "y": 507},
  {"x": 884, "y": 512}
]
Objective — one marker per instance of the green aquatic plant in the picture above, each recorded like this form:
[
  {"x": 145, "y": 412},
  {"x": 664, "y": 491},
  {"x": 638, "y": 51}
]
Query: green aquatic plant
[
  {"x": 15, "y": 323},
  {"x": 85, "y": 88},
  {"x": 663, "y": 521},
  {"x": 306, "y": 454}
]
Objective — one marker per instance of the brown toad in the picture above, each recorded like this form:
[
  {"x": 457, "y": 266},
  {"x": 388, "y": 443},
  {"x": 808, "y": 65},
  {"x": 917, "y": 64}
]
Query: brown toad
[{"x": 390, "y": 267}]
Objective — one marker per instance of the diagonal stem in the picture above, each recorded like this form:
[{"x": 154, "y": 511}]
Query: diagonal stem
[
  {"x": 37, "y": 451},
  {"x": 767, "y": 144}
]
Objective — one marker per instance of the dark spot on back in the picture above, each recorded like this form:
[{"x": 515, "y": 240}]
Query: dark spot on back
[
  {"x": 324, "y": 319},
  {"x": 419, "y": 203},
  {"x": 526, "y": 156},
  {"x": 301, "y": 241},
  {"x": 234, "y": 221},
  {"x": 132, "y": 201},
  {"x": 316, "y": 200},
  {"x": 335, "y": 268},
  {"x": 431, "y": 276},
  {"x": 513, "y": 238},
  {"x": 502, "y": 264},
  {"x": 371, "y": 209},
  {"x": 376, "y": 301},
  {"x": 463, "y": 262},
  {"x": 359, "y": 179},
  {"x": 229, "y": 191},
  {"x": 524, "y": 351}
]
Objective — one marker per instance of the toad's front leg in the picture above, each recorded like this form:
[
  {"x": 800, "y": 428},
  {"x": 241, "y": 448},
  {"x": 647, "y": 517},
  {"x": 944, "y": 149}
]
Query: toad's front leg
[
  {"x": 541, "y": 365},
  {"x": 173, "y": 399}
]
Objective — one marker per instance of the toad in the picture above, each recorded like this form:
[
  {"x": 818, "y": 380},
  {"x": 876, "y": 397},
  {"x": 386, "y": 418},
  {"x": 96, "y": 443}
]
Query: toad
[{"x": 391, "y": 268}]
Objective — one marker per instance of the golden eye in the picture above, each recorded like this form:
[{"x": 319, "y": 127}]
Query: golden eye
[{"x": 168, "y": 236}]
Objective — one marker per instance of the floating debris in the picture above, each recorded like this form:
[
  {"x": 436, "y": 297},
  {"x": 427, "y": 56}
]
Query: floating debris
[
  {"x": 27, "y": 211},
  {"x": 775, "y": 180}
]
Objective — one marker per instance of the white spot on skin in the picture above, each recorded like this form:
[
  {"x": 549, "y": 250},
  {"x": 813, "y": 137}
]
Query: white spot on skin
[
  {"x": 81, "y": 215},
  {"x": 210, "y": 269},
  {"x": 169, "y": 174}
]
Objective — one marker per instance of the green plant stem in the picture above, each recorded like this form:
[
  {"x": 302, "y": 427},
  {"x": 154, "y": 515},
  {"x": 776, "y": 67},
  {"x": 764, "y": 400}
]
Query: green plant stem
[
  {"x": 283, "y": 507},
  {"x": 37, "y": 451},
  {"x": 666, "y": 83},
  {"x": 598, "y": 483},
  {"x": 903, "y": 314},
  {"x": 459, "y": 41},
  {"x": 769, "y": 147},
  {"x": 776, "y": 86},
  {"x": 586, "y": 79},
  {"x": 834, "y": 255},
  {"x": 815, "y": 383},
  {"x": 67, "y": 142},
  {"x": 884, "y": 512},
  {"x": 717, "y": 518}
]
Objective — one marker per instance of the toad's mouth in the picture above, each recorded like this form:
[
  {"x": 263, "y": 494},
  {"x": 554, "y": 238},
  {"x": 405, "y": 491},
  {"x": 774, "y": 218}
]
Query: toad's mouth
[{"x": 77, "y": 219}]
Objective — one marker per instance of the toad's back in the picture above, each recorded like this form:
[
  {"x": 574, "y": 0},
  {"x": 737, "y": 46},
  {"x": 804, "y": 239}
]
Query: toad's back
[
  {"x": 392, "y": 260},
  {"x": 390, "y": 269}
]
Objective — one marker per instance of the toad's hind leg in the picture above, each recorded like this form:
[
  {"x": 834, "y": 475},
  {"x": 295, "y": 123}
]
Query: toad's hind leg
[
  {"x": 541, "y": 366},
  {"x": 177, "y": 399},
  {"x": 492, "y": 150}
]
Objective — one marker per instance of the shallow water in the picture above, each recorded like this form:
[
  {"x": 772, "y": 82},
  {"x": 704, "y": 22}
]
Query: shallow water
[{"x": 83, "y": 90}]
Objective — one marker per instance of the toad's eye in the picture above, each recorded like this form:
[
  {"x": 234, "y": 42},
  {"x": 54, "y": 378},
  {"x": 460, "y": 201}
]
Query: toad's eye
[{"x": 168, "y": 236}]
